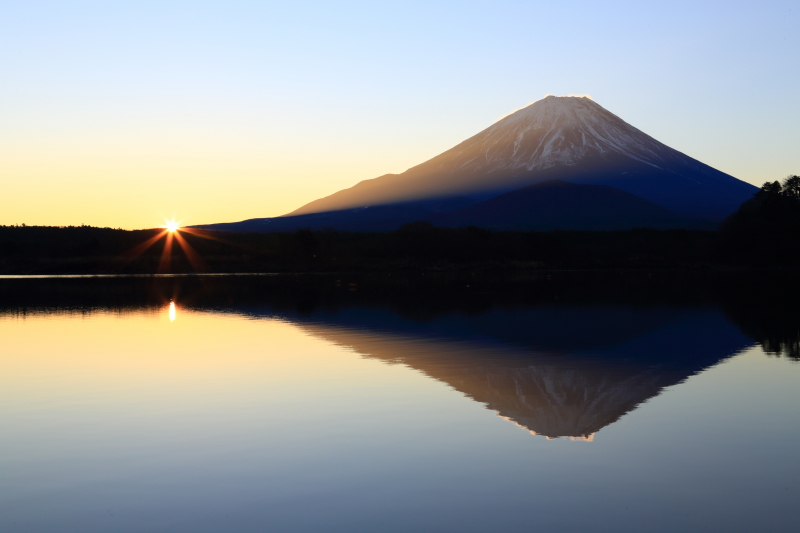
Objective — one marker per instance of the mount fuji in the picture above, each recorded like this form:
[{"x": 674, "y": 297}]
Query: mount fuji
[{"x": 567, "y": 140}]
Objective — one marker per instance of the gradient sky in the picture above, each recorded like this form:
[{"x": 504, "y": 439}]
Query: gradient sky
[{"x": 123, "y": 114}]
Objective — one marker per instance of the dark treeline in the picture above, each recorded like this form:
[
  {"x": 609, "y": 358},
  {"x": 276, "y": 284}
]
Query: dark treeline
[
  {"x": 763, "y": 233},
  {"x": 766, "y": 229},
  {"x": 45, "y": 250}
]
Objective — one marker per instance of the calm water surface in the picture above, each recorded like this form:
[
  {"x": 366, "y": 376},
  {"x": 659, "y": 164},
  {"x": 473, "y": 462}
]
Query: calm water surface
[{"x": 285, "y": 404}]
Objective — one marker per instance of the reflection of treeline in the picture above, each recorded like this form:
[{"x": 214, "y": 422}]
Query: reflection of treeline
[
  {"x": 767, "y": 308},
  {"x": 764, "y": 306}
]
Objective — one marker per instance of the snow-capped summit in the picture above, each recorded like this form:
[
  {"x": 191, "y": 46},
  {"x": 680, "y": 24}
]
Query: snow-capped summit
[
  {"x": 572, "y": 139},
  {"x": 563, "y": 130}
]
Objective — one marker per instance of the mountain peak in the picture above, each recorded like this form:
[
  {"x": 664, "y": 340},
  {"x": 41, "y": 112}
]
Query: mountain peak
[
  {"x": 563, "y": 130},
  {"x": 569, "y": 138},
  {"x": 549, "y": 100},
  {"x": 572, "y": 138}
]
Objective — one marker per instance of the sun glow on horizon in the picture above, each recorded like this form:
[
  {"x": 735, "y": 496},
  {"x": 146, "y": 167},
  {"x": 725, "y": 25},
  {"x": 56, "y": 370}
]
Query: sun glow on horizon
[{"x": 172, "y": 226}]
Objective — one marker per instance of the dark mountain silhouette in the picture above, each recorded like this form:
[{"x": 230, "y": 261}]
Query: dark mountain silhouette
[
  {"x": 559, "y": 205},
  {"x": 558, "y": 138}
]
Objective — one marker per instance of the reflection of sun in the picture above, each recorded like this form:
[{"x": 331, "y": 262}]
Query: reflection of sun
[
  {"x": 172, "y": 226},
  {"x": 172, "y": 312}
]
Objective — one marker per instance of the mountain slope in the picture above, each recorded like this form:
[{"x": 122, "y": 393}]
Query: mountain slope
[
  {"x": 375, "y": 218},
  {"x": 568, "y": 138},
  {"x": 546, "y": 206},
  {"x": 561, "y": 205}
]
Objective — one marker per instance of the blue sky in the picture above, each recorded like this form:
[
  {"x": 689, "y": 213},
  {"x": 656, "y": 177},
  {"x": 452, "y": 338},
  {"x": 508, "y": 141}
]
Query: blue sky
[{"x": 122, "y": 113}]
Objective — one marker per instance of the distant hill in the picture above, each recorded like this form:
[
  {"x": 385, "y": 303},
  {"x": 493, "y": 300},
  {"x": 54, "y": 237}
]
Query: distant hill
[{"x": 570, "y": 139}]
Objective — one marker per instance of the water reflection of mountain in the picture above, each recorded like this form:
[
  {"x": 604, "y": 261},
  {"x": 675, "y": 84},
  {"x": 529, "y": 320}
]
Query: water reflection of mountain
[
  {"x": 556, "y": 371},
  {"x": 561, "y": 357}
]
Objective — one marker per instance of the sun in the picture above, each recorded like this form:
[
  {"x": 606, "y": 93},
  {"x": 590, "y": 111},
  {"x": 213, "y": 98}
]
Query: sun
[{"x": 172, "y": 226}]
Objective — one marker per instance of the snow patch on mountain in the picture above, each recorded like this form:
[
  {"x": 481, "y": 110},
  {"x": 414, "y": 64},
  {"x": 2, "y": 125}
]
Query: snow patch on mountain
[
  {"x": 545, "y": 96},
  {"x": 560, "y": 130}
]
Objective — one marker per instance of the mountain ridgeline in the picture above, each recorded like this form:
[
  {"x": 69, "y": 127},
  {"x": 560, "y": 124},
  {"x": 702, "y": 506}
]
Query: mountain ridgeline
[{"x": 559, "y": 163}]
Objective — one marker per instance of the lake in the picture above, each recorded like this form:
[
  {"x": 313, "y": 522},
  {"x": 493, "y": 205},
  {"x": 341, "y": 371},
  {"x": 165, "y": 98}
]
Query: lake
[{"x": 375, "y": 402}]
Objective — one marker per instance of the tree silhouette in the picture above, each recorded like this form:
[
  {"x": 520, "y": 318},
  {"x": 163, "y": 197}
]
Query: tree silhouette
[{"x": 766, "y": 228}]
